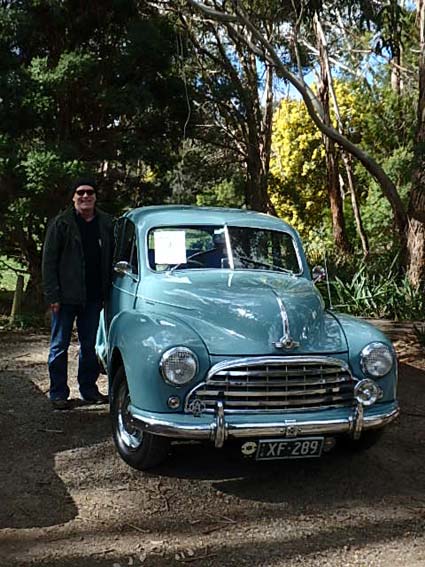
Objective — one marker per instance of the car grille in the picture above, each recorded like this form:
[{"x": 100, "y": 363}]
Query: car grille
[{"x": 273, "y": 385}]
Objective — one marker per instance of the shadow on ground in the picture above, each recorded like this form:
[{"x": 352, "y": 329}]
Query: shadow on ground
[
  {"x": 31, "y": 493},
  {"x": 293, "y": 545},
  {"x": 391, "y": 468}
]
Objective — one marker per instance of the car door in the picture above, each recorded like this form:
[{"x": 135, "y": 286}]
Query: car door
[{"x": 125, "y": 278}]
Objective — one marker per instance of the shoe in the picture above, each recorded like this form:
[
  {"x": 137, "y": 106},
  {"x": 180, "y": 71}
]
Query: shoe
[
  {"x": 97, "y": 399},
  {"x": 61, "y": 404}
]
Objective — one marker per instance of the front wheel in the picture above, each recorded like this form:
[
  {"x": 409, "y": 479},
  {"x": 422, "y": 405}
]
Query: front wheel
[{"x": 141, "y": 450}]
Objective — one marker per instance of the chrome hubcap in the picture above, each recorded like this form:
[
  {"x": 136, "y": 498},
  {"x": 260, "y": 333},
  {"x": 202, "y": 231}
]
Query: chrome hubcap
[{"x": 129, "y": 435}]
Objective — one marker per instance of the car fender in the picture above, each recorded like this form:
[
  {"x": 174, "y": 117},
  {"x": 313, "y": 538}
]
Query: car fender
[
  {"x": 141, "y": 339},
  {"x": 360, "y": 333}
]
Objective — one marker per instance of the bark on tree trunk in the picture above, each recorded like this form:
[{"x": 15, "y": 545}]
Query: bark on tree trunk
[
  {"x": 346, "y": 158},
  {"x": 334, "y": 188},
  {"x": 256, "y": 186},
  {"x": 258, "y": 144},
  {"x": 416, "y": 209},
  {"x": 416, "y": 234},
  {"x": 33, "y": 297}
]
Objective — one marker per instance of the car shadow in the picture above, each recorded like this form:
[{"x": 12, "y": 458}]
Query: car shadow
[
  {"x": 31, "y": 435},
  {"x": 384, "y": 471}
]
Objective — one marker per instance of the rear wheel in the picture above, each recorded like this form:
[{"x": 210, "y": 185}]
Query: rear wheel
[{"x": 139, "y": 449}]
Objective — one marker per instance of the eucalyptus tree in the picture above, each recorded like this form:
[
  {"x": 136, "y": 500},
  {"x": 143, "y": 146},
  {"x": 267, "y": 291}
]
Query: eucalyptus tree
[
  {"x": 416, "y": 207},
  {"x": 233, "y": 91},
  {"x": 410, "y": 223}
]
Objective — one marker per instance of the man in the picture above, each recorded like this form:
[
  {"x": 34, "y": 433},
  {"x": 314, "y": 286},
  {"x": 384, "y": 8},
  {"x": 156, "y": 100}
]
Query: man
[{"x": 77, "y": 259}]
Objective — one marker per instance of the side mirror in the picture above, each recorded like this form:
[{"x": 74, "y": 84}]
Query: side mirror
[
  {"x": 123, "y": 268},
  {"x": 318, "y": 273}
]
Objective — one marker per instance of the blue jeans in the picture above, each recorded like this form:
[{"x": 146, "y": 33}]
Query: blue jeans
[{"x": 87, "y": 317}]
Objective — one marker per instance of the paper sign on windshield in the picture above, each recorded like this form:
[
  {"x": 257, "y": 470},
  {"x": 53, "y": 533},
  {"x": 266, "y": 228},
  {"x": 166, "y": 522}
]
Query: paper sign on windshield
[{"x": 170, "y": 247}]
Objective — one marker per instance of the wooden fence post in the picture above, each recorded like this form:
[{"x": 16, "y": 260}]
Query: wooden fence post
[{"x": 17, "y": 299}]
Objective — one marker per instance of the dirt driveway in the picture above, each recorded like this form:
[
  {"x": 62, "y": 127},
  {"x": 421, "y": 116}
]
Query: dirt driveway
[{"x": 66, "y": 499}]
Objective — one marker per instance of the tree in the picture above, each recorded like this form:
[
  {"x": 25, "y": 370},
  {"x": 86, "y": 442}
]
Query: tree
[
  {"x": 84, "y": 88},
  {"x": 234, "y": 17},
  {"x": 416, "y": 207},
  {"x": 298, "y": 187},
  {"x": 229, "y": 87}
]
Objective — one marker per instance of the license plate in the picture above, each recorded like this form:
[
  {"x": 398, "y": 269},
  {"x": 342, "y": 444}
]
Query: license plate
[{"x": 304, "y": 448}]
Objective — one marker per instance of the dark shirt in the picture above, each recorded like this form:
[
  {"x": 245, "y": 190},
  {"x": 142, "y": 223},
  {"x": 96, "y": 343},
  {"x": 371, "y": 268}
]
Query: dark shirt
[{"x": 90, "y": 238}]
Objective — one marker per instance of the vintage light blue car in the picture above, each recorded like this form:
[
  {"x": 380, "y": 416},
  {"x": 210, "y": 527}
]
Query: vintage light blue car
[{"x": 215, "y": 331}]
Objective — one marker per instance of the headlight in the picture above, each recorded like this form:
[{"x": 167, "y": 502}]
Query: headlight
[
  {"x": 178, "y": 366},
  {"x": 376, "y": 359}
]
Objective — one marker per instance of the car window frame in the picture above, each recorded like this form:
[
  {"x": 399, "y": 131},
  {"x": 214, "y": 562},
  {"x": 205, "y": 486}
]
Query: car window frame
[{"x": 226, "y": 226}]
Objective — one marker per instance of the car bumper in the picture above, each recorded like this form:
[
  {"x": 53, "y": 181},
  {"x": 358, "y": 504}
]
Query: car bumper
[{"x": 220, "y": 426}]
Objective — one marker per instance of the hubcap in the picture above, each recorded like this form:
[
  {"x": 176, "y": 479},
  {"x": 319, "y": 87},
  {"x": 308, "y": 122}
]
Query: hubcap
[{"x": 129, "y": 435}]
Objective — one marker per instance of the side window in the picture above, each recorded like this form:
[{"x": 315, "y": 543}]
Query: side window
[{"x": 126, "y": 249}]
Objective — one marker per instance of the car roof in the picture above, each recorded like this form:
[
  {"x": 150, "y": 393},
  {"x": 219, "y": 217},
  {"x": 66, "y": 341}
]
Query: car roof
[{"x": 169, "y": 215}]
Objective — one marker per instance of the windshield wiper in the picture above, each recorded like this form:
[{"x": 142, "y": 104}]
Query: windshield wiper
[
  {"x": 264, "y": 264},
  {"x": 188, "y": 259}
]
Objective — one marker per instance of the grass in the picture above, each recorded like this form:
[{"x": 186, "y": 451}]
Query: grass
[
  {"x": 8, "y": 274},
  {"x": 8, "y": 278}
]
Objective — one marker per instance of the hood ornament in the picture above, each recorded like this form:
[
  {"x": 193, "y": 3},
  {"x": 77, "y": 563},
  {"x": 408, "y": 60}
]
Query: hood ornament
[{"x": 286, "y": 342}]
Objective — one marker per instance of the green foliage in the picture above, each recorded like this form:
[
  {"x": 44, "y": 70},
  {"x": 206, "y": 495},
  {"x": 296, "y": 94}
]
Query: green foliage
[
  {"x": 205, "y": 175},
  {"x": 226, "y": 193},
  {"x": 387, "y": 112},
  {"x": 374, "y": 288},
  {"x": 376, "y": 210},
  {"x": 85, "y": 88},
  {"x": 298, "y": 183},
  {"x": 44, "y": 168},
  {"x": 378, "y": 295},
  {"x": 419, "y": 331},
  {"x": 298, "y": 188}
]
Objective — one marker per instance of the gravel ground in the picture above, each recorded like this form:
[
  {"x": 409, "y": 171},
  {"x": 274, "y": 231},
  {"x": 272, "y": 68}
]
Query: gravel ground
[{"x": 66, "y": 498}]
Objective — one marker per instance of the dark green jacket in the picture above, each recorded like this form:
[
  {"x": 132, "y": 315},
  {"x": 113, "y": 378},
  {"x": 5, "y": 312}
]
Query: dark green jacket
[{"x": 63, "y": 258}]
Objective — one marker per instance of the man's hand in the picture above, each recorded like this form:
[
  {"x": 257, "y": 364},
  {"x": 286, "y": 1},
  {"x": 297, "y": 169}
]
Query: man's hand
[{"x": 55, "y": 307}]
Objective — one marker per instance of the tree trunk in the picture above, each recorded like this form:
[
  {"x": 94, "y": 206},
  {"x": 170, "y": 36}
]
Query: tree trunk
[
  {"x": 346, "y": 158},
  {"x": 335, "y": 199},
  {"x": 258, "y": 144},
  {"x": 416, "y": 233},
  {"x": 334, "y": 188},
  {"x": 416, "y": 209},
  {"x": 256, "y": 186},
  {"x": 33, "y": 298},
  {"x": 355, "y": 204}
]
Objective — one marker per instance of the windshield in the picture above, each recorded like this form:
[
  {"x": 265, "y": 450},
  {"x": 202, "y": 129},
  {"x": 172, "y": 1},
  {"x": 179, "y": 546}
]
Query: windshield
[{"x": 221, "y": 247}]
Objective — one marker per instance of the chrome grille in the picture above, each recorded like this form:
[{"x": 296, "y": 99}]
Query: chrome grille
[{"x": 273, "y": 384}]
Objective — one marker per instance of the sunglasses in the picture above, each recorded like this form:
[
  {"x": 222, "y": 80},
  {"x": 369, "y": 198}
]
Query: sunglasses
[{"x": 88, "y": 192}]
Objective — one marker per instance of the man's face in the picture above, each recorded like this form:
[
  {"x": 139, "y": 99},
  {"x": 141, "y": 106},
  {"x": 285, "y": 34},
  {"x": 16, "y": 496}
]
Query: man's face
[{"x": 84, "y": 199}]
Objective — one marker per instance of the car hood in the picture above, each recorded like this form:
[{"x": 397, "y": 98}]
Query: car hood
[{"x": 243, "y": 312}]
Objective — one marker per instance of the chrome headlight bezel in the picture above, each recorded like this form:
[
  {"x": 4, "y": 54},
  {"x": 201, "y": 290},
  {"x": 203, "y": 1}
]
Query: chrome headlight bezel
[
  {"x": 171, "y": 376},
  {"x": 367, "y": 392},
  {"x": 384, "y": 357}
]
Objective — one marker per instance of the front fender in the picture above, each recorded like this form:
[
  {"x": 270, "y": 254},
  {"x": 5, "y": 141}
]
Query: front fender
[
  {"x": 141, "y": 339},
  {"x": 360, "y": 333}
]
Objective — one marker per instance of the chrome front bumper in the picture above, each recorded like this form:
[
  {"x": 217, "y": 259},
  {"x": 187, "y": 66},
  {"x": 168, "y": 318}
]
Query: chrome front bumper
[{"x": 220, "y": 427}]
